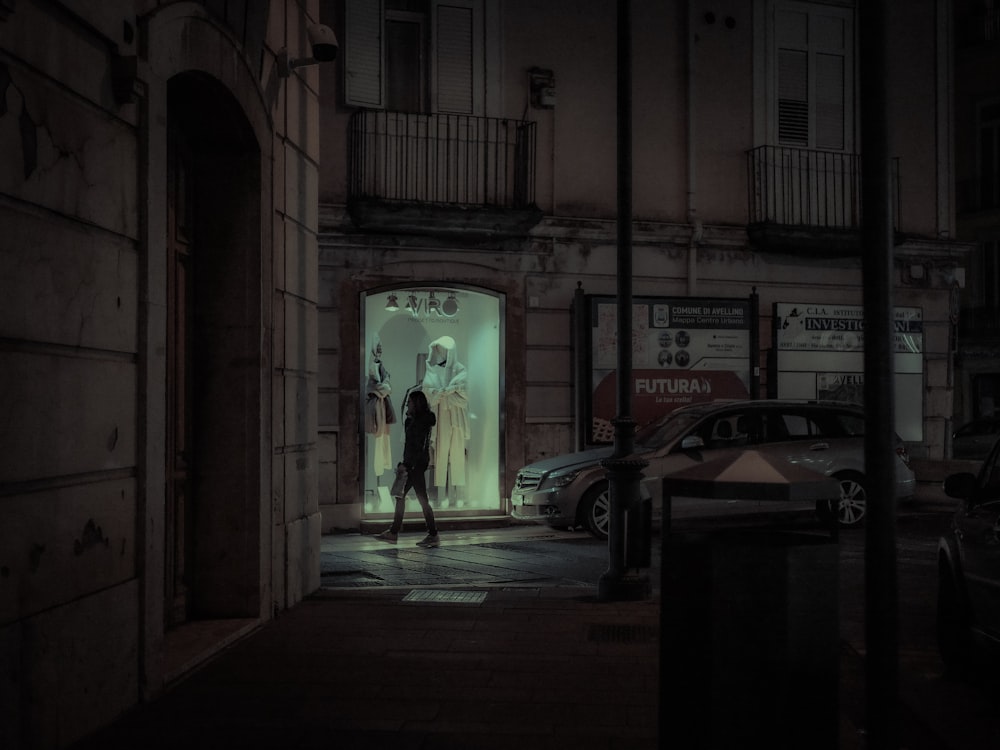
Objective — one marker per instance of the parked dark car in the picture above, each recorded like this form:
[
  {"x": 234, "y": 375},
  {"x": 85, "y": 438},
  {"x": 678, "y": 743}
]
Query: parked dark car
[
  {"x": 826, "y": 437},
  {"x": 968, "y": 607},
  {"x": 974, "y": 439}
]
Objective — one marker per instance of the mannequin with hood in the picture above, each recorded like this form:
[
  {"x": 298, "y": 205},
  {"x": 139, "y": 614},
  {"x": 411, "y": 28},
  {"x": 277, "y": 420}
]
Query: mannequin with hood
[
  {"x": 444, "y": 384},
  {"x": 379, "y": 414}
]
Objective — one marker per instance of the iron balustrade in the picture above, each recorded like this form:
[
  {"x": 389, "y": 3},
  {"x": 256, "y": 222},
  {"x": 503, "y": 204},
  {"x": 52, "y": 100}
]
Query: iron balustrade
[
  {"x": 808, "y": 188},
  {"x": 457, "y": 160}
]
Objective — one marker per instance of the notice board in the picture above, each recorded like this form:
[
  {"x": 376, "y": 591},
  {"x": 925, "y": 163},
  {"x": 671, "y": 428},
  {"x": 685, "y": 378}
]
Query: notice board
[
  {"x": 684, "y": 350},
  {"x": 820, "y": 355}
]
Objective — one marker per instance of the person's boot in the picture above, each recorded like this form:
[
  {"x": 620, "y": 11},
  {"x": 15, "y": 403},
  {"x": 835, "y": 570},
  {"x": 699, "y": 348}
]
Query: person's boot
[
  {"x": 389, "y": 536},
  {"x": 431, "y": 540}
]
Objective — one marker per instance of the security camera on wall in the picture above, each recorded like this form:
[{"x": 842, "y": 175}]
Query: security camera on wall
[
  {"x": 324, "y": 43},
  {"x": 324, "y": 46}
]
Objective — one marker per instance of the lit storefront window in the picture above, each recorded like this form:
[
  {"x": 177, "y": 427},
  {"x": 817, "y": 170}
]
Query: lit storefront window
[{"x": 447, "y": 342}]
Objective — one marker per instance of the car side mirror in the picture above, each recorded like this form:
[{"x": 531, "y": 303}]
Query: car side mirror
[
  {"x": 961, "y": 486},
  {"x": 692, "y": 441}
]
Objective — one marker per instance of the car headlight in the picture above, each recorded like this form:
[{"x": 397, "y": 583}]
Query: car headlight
[{"x": 561, "y": 480}]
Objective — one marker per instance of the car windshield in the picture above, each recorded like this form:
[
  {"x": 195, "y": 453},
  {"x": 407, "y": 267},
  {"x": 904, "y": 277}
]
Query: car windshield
[{"x": 657, "y": 434}]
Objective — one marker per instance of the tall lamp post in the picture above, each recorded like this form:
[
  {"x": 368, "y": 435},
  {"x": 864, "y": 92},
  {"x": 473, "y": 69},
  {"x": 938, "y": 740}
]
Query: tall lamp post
[
  {"x": 881, "y": 589},
  {"x": 628, "y": 541}
]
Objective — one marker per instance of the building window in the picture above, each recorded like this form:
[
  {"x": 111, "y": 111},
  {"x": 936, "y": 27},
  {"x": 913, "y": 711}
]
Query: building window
[
  {"x": 989, "y": 155},
  {"x": 985, "y": 276},
  {"x": 811, "y": 85},
  {"x": 405, "y": 42},
  {"x": 414, "y": 55}
]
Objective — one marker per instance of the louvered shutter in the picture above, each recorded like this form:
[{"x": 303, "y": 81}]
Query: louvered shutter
[
  {"x": 458, "y": 65},
  {"x": 813, "y": 68},
  {"x": 989, "y": 155},
  {"x": 454, "y": 60},
  {"x": 363, "y": 53},
  {"x": 793, "y": 98},
  {"x": 830, "y": 102}
]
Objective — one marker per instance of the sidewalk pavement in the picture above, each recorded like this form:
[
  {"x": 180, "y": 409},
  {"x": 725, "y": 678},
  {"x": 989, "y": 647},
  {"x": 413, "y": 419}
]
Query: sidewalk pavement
[
  {"x": 524, "y": 667},
  {"x": 470, "y": 668}
]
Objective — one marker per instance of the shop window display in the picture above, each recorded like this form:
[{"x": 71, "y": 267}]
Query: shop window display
[{"x": 447, "y": 343}]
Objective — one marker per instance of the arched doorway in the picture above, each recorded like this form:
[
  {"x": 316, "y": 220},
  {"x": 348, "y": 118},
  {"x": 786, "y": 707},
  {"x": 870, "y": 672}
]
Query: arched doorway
[{"x": 214, "y": 356}]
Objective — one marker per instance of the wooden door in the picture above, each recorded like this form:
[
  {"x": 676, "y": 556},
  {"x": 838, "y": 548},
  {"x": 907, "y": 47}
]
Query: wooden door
[{"x": 180, "y": 379}]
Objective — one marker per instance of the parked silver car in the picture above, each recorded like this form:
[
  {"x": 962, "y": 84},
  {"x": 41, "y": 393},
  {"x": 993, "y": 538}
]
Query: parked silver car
[
  {"x": 968, "y": 606},
  {"x": 827, "y": 437}
]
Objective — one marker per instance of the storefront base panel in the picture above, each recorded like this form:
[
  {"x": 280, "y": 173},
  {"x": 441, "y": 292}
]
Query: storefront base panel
[
  {"x": 374, "y": 526},
  {"x": 341, "y": 517}
]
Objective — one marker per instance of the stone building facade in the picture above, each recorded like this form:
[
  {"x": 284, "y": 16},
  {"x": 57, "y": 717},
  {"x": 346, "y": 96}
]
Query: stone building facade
[
  {"x": 158, "y": 486},
  {"x": 497, "y": 179},
  {"x": 977, "y": 190},
  {"x": 204, "y": 247}
]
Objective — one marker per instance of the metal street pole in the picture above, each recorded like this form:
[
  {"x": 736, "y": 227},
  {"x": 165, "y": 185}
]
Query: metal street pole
[
  {"x": 881, "y": 594},
  {"x": 624, "y": 469}
]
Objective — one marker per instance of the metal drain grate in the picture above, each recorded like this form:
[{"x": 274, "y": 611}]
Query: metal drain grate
[
  {"x": 615, "y": 633},
  {"x": 445, "y": 597}
]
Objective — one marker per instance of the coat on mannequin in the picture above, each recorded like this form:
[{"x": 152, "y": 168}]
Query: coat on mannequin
[
  {"x": 444, "y": 384},
  {"x": 379, "y": 413}
]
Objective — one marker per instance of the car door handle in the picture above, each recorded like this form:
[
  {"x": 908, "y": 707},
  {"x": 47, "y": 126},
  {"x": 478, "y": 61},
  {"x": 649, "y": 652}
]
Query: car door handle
[{"x": 819, "y": 447}]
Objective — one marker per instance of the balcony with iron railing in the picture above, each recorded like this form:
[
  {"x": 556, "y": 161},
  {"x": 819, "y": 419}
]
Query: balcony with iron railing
[
  {"x": 808, "y": 200},
  {"x": 441, "y": 174}
]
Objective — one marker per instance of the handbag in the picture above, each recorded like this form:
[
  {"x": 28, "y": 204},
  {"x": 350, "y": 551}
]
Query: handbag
[{"x": 399, "y": 483}]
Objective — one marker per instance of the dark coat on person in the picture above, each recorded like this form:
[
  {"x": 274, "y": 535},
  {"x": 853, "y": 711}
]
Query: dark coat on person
[{"x": 416, "y": 444}]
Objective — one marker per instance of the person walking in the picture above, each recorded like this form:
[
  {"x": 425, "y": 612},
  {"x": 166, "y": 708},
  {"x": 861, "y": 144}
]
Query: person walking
[{"x": 416, "y": 458}]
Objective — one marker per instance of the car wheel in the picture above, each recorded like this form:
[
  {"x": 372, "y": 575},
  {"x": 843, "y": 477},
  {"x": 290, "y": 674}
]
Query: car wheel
[
  {"x": 595, "y": 510},
  {"x": 853, "y": 498},
  {"x": 954, "y": 635}
]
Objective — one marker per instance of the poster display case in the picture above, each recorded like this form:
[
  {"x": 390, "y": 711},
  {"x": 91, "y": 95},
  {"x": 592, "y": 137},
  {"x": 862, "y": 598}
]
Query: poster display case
[
  {"x": 819, "y": 352},
  {"x": 684, "y": 350}
]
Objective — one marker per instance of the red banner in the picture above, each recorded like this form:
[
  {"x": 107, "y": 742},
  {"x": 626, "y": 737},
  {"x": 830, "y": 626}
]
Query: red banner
[{"x": 658, "y": 392}]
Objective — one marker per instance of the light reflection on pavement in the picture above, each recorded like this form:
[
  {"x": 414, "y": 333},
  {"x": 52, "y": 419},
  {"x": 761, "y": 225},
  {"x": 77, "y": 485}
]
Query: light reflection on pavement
[{"x": 516, "y": 555}]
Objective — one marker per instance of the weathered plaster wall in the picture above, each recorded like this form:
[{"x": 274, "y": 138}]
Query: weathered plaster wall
[
  {"x": 69, "y": 258},
  {"x": 83, "y": 371}
]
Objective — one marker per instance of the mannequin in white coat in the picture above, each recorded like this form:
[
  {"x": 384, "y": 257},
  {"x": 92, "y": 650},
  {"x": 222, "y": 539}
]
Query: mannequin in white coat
[{"x": 445, "y": 385}]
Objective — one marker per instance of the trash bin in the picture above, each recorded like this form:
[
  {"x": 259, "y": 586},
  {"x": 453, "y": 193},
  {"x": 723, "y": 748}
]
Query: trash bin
[
  {"x": 749, "y": 616},
  {"x": 749, "y": 646}
]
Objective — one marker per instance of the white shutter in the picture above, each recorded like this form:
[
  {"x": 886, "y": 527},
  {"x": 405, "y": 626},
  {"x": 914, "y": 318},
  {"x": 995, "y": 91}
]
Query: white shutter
[
  {"x": 454, "y": 60},
  {"x": 457, "y": 60},
  {"x": 830, "y": 102},
  {"x": 793, "y": 98},
  {"x": 814, "y": 75},
  {"x": 363, "y": 53},
  {"x": 792, "y": 33}
]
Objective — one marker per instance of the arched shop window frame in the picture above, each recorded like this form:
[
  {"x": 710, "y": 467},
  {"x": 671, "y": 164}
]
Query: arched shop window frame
[{"x": 407, "y": 319}]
